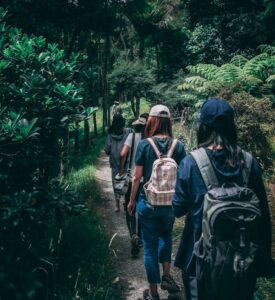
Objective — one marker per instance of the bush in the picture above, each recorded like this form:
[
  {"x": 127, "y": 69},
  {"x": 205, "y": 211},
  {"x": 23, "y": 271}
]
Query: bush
[
  {"x": 255, "y": 121},
  {"x": 40, "y": 95}
]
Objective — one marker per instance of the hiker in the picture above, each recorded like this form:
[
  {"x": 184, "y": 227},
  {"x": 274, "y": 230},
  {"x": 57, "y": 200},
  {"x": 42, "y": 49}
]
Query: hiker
[
  {"x": 117, "y": 134},
  {"x": 154, "y": 209},
  {"x": 129, "y": 149},
  {"x": 116, "y": 109},
  {"x": 220, "y": 190}
]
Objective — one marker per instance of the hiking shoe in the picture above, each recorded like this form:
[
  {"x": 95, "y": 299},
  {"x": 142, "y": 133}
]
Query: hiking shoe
[
  {"x": 135, "y": 241},
  {"x": 169, "y": 284},
  {"x": 148, "y": 296}
]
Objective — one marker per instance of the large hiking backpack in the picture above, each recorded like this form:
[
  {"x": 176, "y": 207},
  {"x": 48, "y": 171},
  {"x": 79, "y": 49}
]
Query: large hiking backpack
[
  {"x": 227, "y": 254},
  {"x": 160, "y": 188}
]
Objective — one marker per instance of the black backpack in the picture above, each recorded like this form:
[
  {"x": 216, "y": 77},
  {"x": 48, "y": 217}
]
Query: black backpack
[{"x": 229, "y": 250}]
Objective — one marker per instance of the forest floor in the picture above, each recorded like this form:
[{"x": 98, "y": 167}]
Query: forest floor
[{"x": 131, "y": 276}]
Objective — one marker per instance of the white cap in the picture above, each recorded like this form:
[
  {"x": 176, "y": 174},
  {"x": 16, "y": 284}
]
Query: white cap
[
  {"x": 160, "y": 111},
  {"x": 140, "y": 121}
]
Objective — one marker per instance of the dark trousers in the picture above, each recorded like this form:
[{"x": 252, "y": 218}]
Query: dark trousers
[{"x": 132, "y": 222}]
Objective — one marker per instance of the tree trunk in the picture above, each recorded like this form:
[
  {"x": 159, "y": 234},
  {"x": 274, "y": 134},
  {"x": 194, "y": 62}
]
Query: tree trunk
[
  {"x": 95, "y": 125},
  {"x": 158, "y": 63},
  {"x": 76, "y": 137},
  {"x": 105, "y": 92},
  {"x": 86, "y": 134},
  {"x": 141, "y": 47},
  {"x": 133, "y": 106},
  {"x": 64, "y": 168},
  {"x": 72, "y": 42},
  {"x": 137, "y": 100}
]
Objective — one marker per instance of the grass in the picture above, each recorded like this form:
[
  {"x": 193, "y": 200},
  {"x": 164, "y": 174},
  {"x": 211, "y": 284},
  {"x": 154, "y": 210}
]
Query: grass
[{"x": 85, "y": 268}]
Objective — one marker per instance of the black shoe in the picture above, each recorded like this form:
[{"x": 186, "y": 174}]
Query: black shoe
[
  {"x": 148, "y": 296},
  {"x": 169, "y": 284}
]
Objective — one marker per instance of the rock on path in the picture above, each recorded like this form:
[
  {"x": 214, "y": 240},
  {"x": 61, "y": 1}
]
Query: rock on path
[{"x": 130, "y": 272}]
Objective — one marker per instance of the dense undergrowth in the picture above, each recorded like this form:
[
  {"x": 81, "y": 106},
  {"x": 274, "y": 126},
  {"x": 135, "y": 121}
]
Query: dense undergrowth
[{"x": 85, "y": 267}]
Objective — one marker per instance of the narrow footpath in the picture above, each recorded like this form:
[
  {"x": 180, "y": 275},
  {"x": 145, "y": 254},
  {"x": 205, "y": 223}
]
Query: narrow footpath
[{"x": 131, "y": 277}]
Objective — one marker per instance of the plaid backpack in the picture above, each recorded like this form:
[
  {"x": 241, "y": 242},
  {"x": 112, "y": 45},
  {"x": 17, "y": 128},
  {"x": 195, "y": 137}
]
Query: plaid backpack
[{"x": 160, "y": 188}]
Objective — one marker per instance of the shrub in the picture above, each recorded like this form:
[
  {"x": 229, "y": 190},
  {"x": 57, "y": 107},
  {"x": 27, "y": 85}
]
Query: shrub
[
  {"x": 255, "y": 121},
  {"x": 40, "y": 95}
]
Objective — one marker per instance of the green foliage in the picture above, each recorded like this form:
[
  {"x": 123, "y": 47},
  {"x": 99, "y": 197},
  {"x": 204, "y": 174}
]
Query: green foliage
[
  {"x": 255, "y": 121},
  {"x": 40, "y": 95},
  {"x": 266, "y": 289},
  {"x": 131, "y": 77},
  {"x": 85, "y": 268},
  {"x": 254, "y": 76},
  {"x": 205, "y": 44}
]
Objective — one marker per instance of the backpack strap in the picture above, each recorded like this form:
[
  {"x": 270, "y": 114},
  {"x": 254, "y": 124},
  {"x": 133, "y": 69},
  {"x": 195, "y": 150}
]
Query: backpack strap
[
  {"x": 156, "y": 150},
  {"x": 172, "y": 148},
  {"x": 132, "y": 149},
  {"x": 248, "y": 159},
  {"x": 206, "y": 169}
]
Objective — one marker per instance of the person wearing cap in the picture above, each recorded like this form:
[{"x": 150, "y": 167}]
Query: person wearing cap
[
  {"x": 156, "y": 221},
  {"x": 217, "y": 134},
  {"x": 117, "y": 134},
  {"x": 127, "y": 153}
]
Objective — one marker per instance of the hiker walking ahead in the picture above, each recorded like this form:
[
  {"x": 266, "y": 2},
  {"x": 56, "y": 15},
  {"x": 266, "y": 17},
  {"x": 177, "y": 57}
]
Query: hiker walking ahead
[
  {"x": 117, "y": 135},
  {"x": 116, "y": 109},
  {"x": 128, "y": 152},
  {"x": 154, "y": 203},
  {"x": 226, "y": 242}
]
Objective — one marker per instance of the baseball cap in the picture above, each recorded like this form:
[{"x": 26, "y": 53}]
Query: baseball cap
[
  {"x": 140, "y": 121},
  {"x": 157, "y": 111},
  {"x": 216, "y": 113}
]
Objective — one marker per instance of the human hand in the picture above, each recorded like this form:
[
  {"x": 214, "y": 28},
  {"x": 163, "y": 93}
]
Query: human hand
[{"x": 131, "y": 207}]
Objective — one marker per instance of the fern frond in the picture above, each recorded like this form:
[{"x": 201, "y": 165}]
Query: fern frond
[
  {"x": 195, "y": 80},
  {"x": 258, "y": 66},
  {"x": 239, "y": 61},
  {"x": 213, "y": 87},
  {"x": 271, "y": 79},
  {"x": 267, "y": 49},
  {"x": 204, "y": 70},
  {"x": 228, "y": 73},
  {"x": 186, "y": 86}
]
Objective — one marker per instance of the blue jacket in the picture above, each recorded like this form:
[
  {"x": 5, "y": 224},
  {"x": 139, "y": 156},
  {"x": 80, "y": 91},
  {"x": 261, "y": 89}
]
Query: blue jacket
[{"x": 189, "y": 194}]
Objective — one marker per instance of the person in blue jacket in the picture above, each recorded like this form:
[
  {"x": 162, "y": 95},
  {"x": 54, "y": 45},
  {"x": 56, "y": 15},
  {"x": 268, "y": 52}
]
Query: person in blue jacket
[{"x": 217, "y": 134}]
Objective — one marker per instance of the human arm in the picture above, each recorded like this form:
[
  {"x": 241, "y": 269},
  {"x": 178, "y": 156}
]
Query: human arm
[
  {"x": 257, "y": 185},
  {"x": 135, "y": 185},
  {"x": 123, "y": 155},
  {"x": 181, "y": 199}
]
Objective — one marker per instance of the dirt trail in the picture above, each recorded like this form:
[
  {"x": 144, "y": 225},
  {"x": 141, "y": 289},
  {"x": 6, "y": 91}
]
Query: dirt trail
[{"x": 131, "y": 273}]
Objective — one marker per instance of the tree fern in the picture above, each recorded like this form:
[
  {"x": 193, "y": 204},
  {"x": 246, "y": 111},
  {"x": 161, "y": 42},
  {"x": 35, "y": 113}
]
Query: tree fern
[
  {"x": 239, "y": 61},
  {"x": 228, "y": 73},
  {"x": 258, "y": 66},
  {"x": 267, "y": 49},
  {"x": 255, "y": 76},
  {"x": 206, "y": 71}
]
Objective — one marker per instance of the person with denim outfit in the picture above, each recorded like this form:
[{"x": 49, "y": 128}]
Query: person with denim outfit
[
  {"x": 217, "y": 134},
  {"x": 156, "y": 221}
]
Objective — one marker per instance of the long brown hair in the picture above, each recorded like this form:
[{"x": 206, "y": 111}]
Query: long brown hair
[
  {"x": 225, "y": 136},
  {"x": 158, "y": 125}
]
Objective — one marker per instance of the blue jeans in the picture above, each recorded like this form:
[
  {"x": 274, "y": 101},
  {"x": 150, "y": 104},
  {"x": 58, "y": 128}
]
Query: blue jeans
[{"x": 156, "y": 229}]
